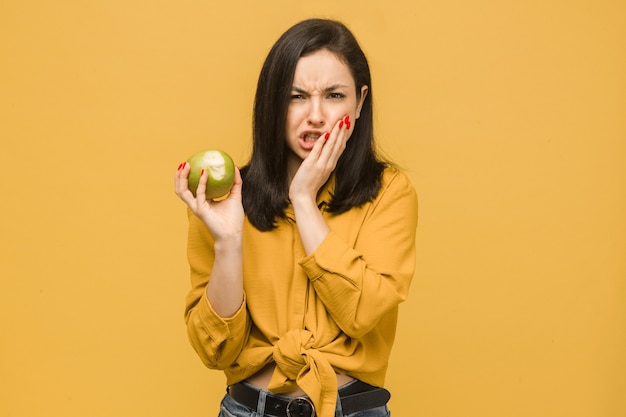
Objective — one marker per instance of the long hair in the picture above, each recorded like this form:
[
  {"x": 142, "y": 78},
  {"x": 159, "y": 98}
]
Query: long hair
[{"x": 359, "y": 170}]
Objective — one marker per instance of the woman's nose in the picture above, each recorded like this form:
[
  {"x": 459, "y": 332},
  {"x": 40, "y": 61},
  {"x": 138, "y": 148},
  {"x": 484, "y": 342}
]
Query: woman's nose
[{"x": 316, "y": 114}]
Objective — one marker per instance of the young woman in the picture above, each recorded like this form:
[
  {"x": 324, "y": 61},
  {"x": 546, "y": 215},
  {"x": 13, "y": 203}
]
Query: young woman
[{"x": 298, "y": 274}]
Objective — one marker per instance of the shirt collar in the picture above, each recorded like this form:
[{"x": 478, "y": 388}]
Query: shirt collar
[{"x": 326, "y": 192}]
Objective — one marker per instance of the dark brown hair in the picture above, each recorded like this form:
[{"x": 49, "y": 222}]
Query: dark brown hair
[{"x": 358, "y": 172}]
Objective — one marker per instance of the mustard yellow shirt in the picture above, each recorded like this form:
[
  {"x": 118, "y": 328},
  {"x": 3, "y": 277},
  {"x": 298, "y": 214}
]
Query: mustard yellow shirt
[{"x": 333, "y": 311}]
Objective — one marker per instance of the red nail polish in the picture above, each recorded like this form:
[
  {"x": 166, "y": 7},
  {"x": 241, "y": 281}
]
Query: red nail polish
[
  {"x": 340, "y": 124},
  {"x": 326, "y": 136},
  {"x": 202, "y": 173},
  {"x": 180, "y": 166},
  {"x": 347, "y": 119},
  {"x": 348, "y": 125}
]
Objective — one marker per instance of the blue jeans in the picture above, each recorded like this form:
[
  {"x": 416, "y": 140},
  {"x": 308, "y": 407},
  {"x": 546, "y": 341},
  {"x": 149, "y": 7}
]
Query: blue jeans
[{"x": 231, "y": 408}]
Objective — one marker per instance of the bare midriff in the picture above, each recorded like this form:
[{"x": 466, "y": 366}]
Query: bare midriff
[{"x": 262, "y": 379}]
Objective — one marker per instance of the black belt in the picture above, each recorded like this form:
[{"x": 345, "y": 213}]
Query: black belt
[{"x": 356, "y": 396}]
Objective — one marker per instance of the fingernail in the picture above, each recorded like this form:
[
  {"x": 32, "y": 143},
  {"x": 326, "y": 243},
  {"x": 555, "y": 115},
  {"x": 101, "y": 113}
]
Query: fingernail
[
  {"x": 347, "y": 119},
  {"x": 327, "y": 135},
  {"x": 202, "y": 173},
  {"x": 180, "y": 166},
  {"x": 348, "y": 125},
  {"x": 340, "y": 124}
]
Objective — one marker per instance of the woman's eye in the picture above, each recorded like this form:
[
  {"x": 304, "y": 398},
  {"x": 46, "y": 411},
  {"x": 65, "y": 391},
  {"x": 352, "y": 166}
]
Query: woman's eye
[
  {"x": 297, "y": 96},
  {"x": 336, "y": 95}
]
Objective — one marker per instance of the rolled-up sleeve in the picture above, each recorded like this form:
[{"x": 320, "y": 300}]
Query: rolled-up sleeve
[{"x": 217, "y": 340}]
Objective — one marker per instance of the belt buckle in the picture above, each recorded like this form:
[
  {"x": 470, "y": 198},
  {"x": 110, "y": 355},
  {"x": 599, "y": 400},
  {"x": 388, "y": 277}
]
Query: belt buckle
[{"x": 300, "y": 405}]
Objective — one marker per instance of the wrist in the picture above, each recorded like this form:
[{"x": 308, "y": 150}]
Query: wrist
[
  {"x": 302, "y": 200},
  {"x": 228, "y": 244}
]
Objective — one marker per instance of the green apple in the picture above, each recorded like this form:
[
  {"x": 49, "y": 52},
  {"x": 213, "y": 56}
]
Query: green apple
[{"x": 220, "y": 169}]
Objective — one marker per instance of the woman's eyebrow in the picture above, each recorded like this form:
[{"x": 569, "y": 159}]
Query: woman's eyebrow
[
  {"x": 298, "y": 90},
  {"x": 335, "y": 87},
  {"x": 327, "y": 89}
]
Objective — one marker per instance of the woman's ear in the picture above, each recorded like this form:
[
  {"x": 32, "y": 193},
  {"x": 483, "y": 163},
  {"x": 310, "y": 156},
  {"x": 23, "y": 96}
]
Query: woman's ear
[{"x": 364, "y": 90}]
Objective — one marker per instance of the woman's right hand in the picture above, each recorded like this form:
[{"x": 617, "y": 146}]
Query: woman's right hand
[{"x": 223, "y": 218}]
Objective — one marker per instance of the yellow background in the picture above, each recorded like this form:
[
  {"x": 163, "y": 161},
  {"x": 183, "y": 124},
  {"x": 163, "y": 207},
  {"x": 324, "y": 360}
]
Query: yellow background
[{"x": 510, "y": 118}]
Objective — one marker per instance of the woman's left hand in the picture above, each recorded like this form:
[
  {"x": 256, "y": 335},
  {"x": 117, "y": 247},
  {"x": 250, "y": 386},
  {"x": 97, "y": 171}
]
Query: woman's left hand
[
  {"x": 321, "y": 162},
  {"x": 310, "y": 177}
]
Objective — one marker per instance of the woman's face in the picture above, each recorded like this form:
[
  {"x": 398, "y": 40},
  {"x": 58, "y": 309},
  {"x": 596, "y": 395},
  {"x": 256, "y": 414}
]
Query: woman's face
[{"x": 323, "y": 92}]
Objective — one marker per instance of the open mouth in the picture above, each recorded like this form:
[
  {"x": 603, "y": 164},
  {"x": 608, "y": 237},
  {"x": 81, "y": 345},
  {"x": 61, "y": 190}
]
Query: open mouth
[{"x": 311, "y": 137}]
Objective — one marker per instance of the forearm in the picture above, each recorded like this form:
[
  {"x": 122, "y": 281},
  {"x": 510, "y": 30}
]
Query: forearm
[
  {"x": 225, "y": 288},
  {"x": 312, "y": 227},
  {"x": 361, "y": 278}
]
